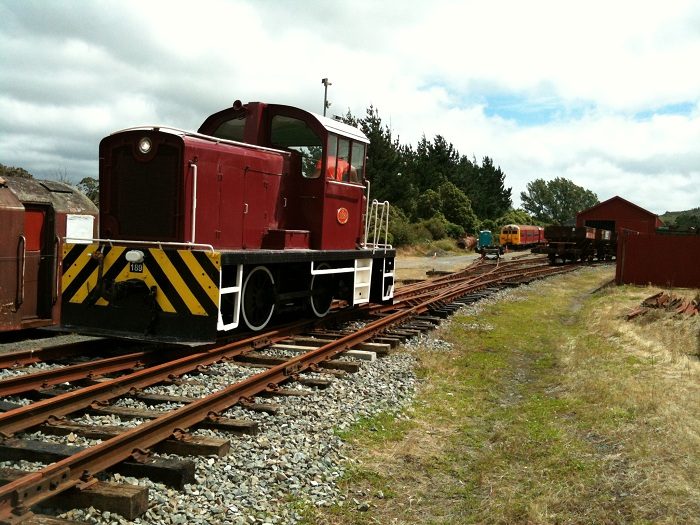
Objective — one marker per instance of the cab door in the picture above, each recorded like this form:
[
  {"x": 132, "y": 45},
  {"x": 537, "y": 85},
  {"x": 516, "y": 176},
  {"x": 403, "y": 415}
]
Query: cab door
[
  {"x": 342, "y": 215},
  {"x": 255, "y": 201},
  {"x": 37, "y": 261},
  {"x": 344, "y": 204},
  {"x": 261, "y": 194}
]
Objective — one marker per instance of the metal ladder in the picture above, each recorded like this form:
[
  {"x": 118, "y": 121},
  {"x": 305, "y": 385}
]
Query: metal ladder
[
  {"x": 376, "y": 231},
  {"x": 377, "y": 226}
]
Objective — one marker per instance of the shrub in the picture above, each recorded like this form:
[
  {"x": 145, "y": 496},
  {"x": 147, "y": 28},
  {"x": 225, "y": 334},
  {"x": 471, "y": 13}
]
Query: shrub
[
  {"x": 419, "y": 234},
  {"x": 454, "y": 231},
  {"x": 436, "y": 225}
]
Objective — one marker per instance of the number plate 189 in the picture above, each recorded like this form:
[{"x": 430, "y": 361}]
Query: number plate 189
[{"x": 136, "y": 267}]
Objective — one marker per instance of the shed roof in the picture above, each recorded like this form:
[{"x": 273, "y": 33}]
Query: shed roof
[{"x": 622, "y": 201}]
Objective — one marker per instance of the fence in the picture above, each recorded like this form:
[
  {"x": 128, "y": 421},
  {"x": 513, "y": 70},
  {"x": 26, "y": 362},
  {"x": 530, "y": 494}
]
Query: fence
[{"x": 662, "y": 260}]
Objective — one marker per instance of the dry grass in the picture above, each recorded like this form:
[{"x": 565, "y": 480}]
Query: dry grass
[
  {"x": 551, "y": 408},
  {"x": 647, "y": 386}
]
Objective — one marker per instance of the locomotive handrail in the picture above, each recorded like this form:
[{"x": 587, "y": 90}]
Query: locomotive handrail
[
  {"x": 126, "y": 241},
  {"x": 194, "y": 134},
  {"x": 380, "y": 225},
  {"x": 194, "y": 199},
  {"x": 19, "y": 299},
  {"x": 343, "y": 183},
  {"x": 369, "y": 185},
  {"x": 56, "y": 273}
]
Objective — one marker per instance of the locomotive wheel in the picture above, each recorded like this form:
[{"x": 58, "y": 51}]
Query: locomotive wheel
[
  {"x": 258, "y": 303},
  {"x": 321, "y": 292}
]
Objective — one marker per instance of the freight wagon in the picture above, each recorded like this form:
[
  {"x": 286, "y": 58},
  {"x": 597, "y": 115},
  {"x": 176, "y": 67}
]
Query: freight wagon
[{"x": 35, "y": 217}]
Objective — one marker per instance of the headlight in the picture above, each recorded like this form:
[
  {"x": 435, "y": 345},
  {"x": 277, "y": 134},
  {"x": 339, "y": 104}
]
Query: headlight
[
  {"x": 134, "y": 256},
  {"x": 145, "y": 145}
]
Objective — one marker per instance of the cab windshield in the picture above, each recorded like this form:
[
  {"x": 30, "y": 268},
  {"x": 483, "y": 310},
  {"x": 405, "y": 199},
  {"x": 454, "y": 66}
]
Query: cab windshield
[
  {"x": 231, "y": 129},
  {"x": 345, "y": 160}
]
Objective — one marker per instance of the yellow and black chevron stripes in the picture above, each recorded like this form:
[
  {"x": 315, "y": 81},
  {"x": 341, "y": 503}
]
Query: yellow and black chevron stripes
[{"x": 186, "y": 281}]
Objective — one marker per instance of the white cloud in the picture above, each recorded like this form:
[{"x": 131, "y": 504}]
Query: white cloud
[{"x": 74, "y": 71}]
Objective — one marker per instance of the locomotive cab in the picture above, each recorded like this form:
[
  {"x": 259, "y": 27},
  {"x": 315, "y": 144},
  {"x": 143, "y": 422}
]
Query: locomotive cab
[{"x": 322, "y": 192}]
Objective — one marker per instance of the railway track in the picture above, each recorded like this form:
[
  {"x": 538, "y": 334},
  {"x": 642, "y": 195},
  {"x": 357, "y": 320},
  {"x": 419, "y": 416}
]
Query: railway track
[{"x": 45, "y": 400}]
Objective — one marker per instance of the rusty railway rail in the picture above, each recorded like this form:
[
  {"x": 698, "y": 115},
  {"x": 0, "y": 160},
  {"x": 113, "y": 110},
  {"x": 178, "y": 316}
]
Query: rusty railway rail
[
  {"x": 40, "y": 354},
  {"x": 18, "y": 496},
  {"x": 157, "y": 355}
]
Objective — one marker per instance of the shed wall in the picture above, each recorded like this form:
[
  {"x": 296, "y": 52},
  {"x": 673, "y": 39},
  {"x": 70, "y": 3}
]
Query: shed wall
[{"x": 661, "y": 260}]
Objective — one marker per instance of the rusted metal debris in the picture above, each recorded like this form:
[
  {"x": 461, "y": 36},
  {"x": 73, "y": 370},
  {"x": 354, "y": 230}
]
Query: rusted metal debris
[{"x": 669, "y": 302}]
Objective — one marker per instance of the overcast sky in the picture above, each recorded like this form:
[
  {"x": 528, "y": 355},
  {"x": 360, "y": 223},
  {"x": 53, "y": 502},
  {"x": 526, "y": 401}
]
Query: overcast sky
[{"x": 605, "y": 93}]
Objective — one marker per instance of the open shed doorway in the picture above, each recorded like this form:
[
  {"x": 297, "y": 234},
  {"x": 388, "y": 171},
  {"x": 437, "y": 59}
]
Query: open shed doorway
[{"x": 601, "y": 224}]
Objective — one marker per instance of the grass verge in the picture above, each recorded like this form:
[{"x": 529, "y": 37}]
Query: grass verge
[{"x": 549, "y": 408}]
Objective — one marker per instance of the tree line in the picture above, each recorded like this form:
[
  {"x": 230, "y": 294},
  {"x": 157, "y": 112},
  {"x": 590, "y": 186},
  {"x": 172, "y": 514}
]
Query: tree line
[{"x": 435, "y": 191}]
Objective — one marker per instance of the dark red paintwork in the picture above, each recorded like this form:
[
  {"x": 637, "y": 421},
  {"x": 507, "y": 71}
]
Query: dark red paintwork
[
  {"x": 273, "y": 194},
  {"x": 34, "y": 216},
  {"x": 249, "y": 196},
  {"x": 662, "y": 260},
  {"x": 304, "y": 203}
]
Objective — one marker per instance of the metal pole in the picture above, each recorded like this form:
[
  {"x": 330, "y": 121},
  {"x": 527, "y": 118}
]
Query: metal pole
[{"x": 326, "y": 104}]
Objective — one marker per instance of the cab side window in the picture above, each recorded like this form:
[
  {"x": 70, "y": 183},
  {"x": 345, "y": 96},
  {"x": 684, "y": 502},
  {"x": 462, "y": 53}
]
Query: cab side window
[
  {"x": 342, "y": 169},
  {"x": 295, "y": 134},
  {"x": 332, "y": 157},
  {"x": 337, "y": 157},
  {"x": 345, "y": 159},
  {"x": 357, "y": 162},
  {"x": 231, "y": 129}
]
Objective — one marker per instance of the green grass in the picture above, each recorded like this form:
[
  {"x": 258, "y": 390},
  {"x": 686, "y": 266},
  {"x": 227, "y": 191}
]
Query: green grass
[
  {"x": 533, "y": 417},
  {"x": 378, "y": 429}
]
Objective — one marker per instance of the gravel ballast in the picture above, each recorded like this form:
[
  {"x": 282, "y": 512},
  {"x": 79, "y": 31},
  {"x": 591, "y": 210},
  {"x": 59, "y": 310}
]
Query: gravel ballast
[{"x": 295, "y": 457}]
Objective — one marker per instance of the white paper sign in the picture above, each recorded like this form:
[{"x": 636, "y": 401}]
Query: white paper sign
[{"x": 79, "y": 229}]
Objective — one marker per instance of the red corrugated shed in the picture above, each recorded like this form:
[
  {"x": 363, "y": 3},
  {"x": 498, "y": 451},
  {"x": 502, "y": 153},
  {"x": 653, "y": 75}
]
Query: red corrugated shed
[
  {"x": 617, "y": 214},
  {"x": 662, "y": 260}
]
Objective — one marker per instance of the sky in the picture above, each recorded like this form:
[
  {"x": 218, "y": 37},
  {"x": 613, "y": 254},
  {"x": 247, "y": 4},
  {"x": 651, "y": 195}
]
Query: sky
[{"x": 604, "y": 93}]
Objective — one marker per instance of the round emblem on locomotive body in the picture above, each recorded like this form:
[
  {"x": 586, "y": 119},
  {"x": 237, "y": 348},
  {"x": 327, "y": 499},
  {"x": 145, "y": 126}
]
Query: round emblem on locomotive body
[{"x": 343, "y": 215}]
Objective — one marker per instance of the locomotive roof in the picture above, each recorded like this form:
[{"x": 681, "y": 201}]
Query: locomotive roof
[
  {"x": 185, "y": 133},
  {"x": 341, "y": 128},
  {"x": 331, "y": 125}
]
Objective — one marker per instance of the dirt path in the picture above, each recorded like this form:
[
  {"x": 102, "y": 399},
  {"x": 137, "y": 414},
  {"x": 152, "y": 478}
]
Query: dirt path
[{"x": 414, "y": 267}]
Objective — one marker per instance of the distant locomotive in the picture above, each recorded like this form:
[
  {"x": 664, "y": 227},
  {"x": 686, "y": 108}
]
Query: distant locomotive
[
  {"x": 487, "y": 244},
  {"x": 581, "y": 243},
  {"x": 35, "y": 217},
  {"x": 517, "y": 236},
  {"x": 263, "y": 210}
]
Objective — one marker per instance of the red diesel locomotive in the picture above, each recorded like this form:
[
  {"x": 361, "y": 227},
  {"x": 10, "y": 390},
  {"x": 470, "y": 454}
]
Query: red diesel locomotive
[{"x": 263, "y": 210}]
